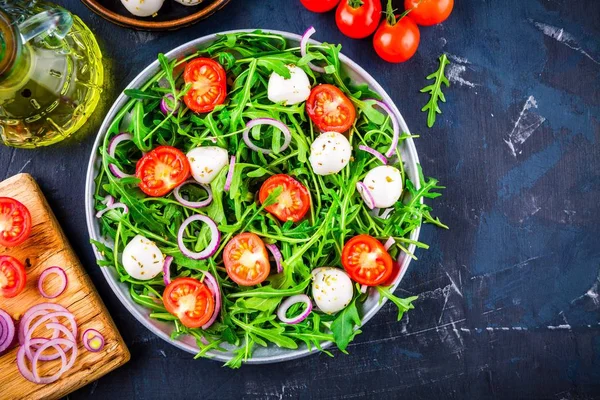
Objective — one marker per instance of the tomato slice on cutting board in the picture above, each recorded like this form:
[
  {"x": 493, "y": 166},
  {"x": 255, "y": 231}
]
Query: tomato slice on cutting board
[
  {"x": 161, "y": 170},
  {"x": 190, "y": 300},
  {"x": 366, "y": 260},
  {"x": 293, "y": 202},
  {"x": 12, "y": 276},
  {"x": 209, "y": 86},
  {"x": 330, "y": 109},
  {"x": 15, "y": 222},
  {"x": 246, "y": 259}
]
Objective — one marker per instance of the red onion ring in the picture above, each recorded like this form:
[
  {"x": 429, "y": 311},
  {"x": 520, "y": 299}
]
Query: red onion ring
[
  {"x": 389, "y": 243},
  {"x": 167, "y": 270},
  {"x": 213, "y": 286},
  {"x": 230, "y": 174},
  {"x": 267, "y": 121},
  {"x": 56, "y": 314},
  {"x": 277, "y": 256},
  {"x": 26, "y": 372},
  {"x": 88, "y": 336},
  {"x": 45, "y": 274},
  {"x": 366, "y": 195},
  {"x": 375, "y": 153},
  {"x": 56, "y": 327},
  {"x": 290, "y": 301},
  {"x": 363, "y": 289},
  {"x": 111, "y": 205},
  {"x": 7, "y": 330},
  {"x": 304, "y": 49},
  {"x": 112, "y": 147},
  {"x": 386, "y": 213},
  {"x": 34, "y": 312},
  {"x": 65, "y": 367},
  {"x": 193, "y": 204},
  {"x": 165, "y": 108},
  {"x": 212, "y": 246},
  {"x": 395, "y": 126}
]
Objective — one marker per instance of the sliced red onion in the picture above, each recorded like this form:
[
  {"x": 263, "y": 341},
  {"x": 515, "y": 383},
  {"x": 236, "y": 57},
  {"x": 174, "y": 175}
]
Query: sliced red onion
[
  {"x": 389, "y": 243},
  {"x": 193, "y": 204},
  {"x": 63, "y": 281},
  {"x": 7, "y": 330},
  {"x": 304, "y": 48},
  {"x": 267, "y": 121},
  {"x": 168, "y": 104},
  {"x": 386, "y": 213},
  {"x": 213, "y": 286},
  {"x": 366, "y": 195},
  {"x": 111, "y": 205},
  {"x": 395, "y": 126},
  {"x": 92, "y": 340},
  {"x": 65, "y": 366},
  {"x": 212, "y": 246},
  {"x": 290, "y": 301},
  {"x": 26, "y": 372},
  {"x": 57, "y": 328},
  {"x": 167, "y": 270},
  {"x": 44, "y": 318},
  {"x": 277, "y": 256},
  {"x": 35, "y": 312},
  {"x": 374, "y": 152},
  {"x": 230, "y": 174},
  {"x": 112, "y": 147},
  {"x": 363, "y": 289}
]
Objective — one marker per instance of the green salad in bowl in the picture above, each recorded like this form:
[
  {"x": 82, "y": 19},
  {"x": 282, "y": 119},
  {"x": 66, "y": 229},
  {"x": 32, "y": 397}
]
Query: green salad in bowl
[{"x": 255, "y": 196}]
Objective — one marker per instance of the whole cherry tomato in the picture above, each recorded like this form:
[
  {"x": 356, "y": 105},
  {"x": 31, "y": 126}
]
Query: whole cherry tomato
[
  {"x": 397, "y": 40},
  {"x": 319, "y": 6},
  {"x": 358, "y": 18},
  {"x": 429, "y": 12}
]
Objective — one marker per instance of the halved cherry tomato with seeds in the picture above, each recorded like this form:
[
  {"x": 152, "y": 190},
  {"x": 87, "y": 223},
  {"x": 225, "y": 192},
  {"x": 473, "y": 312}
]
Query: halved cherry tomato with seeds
[
  {"x": 366, "y": 260},
  {"x": 209, "y": 86},
  {"x": 246, "y": 259},
  {"x": 292, "y": 204},
  {"x": 15, "y": 222},
  {"x": 190, "y": 300},
  {"x": 330, "y": 109},
  {"x": 12, "y": 276},
  {"x": 161, "y": 170}
]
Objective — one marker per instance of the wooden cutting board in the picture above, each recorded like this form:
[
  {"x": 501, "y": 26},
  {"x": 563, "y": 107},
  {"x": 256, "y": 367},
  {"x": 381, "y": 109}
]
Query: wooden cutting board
[{"x": 47, "y": 246}]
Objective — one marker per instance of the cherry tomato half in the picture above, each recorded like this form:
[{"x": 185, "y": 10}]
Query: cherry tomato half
[
  {"x": 366, "y": 260},
  {"x": 330, "y": 109},
  {"x": 161, "y": 170},
  {"x": 292, "y": 204},
  {"x": 12, "y": 276},
  {"x": 15, "y": 222},
  {"x": 358, "y": 18},
  {"x": 429, "y": 12},
  {"x": 246, "y": 259},
  {"x": 319, "y": 6},
  {"x": 189, "y": 300},
  {"x": 397, "y": 43},
  {"x": 209, "y": 86}
]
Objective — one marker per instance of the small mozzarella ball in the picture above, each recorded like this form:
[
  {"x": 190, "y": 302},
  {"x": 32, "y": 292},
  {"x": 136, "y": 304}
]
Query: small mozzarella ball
[
  {"x": 293, "y": 90},
  {"x": 142, "y": 259},
  {"x": 189, "y": 2},
  {"x": 207, "y": 162},
  {"x": 330, "y": 153},
  {"x": 332, "y": 289},
  {"x": 143, "y": 8},
  {"x": 385, "y": 185}
]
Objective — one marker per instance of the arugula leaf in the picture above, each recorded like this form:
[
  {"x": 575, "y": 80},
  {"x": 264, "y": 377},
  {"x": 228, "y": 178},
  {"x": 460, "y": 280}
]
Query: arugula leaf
[
  {"x": 345, "y": 326},
  {"x": 435, "y": 91},
  {"x": 402, "y": 304}
]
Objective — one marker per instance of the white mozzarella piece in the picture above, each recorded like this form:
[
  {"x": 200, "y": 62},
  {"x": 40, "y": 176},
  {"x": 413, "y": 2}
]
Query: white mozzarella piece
[
  {"x": 385, "y": 185},
  {"x": 207, "y": 162},
  {"x": 332, "y": 289},
  {"x": 142, "y": 259},
  {"x": 290, "y": 91},
  {"x": 330, "y": 153}
]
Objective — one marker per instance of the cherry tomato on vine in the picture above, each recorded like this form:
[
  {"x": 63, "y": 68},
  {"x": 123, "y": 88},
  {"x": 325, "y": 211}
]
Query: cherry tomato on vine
[
  {"x": 366, "y": 260},
  {"x": 397, "y": 42},
  {"x": 429, "y": 12},
  {"x": 161, "y": 170},
  {"x": 15, "y": 222},
  {"x": 319, "y": 6},
  {"x": 358, "y": 18},
  {"x": 12, "y": 276},
  {"x": 330, "y": 109},
  {"x": 209, "y": 84},
  {"x": 190, "y": 300}
]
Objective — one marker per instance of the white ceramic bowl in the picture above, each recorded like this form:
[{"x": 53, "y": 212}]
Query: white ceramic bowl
[{"x": 162, "y": 329}]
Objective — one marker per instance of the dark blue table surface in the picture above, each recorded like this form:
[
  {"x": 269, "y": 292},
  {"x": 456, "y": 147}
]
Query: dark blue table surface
[{"x": 508, "y": 298}]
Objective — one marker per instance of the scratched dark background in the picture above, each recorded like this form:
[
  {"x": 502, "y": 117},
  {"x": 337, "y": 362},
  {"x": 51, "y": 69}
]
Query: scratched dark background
[{"x": 509, "y": 304}]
